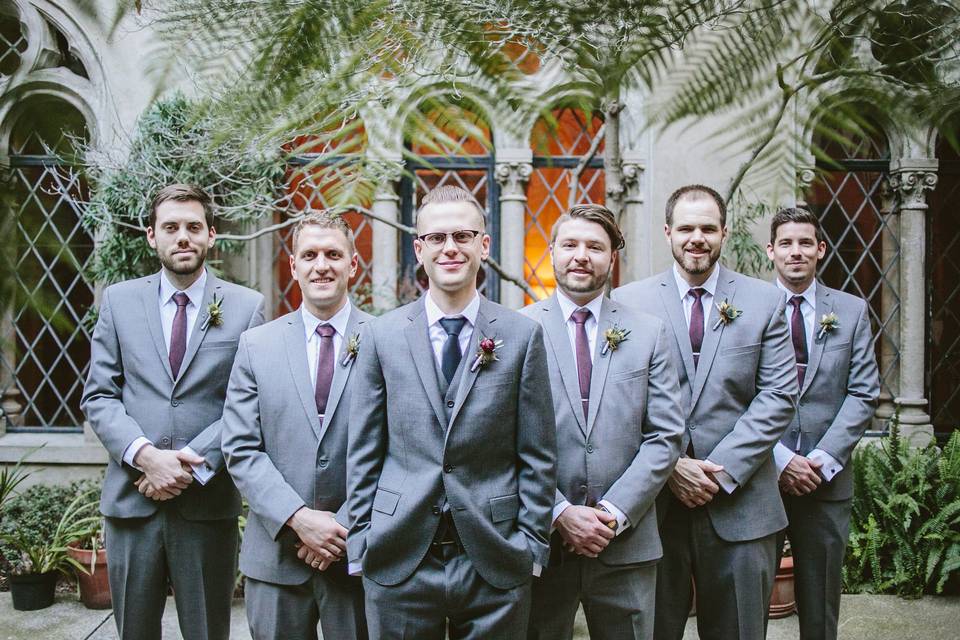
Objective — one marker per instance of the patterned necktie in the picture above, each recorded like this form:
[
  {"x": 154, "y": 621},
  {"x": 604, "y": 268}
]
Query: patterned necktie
[
  {"x": 178, "y": 336},
  {"x": 696, "y": 324},
  {"x": 324, "y": 366},
  {"x": 799, "y": 335},
  {"x": 450, "y": 356},
  {"x": 584, "y": 363}
]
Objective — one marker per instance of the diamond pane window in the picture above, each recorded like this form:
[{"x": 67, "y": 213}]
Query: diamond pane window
[
  {"x": 558, "y": 146},
  {"x": 46, "y": 346},
  {"x": 863, "y": 244},
  {"x": 12, "y": 44}
]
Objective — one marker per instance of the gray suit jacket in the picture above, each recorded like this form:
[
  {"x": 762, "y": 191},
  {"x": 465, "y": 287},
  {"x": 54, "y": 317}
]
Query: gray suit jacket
[
  {"x": 840, "y": 389},
  {"x": 626, "y": 448},
  {"x": 130, "y": 391},
  {"x": 493, "y": 459},
  {"x": 739, "y": 400},
  {"x": 277, "y": 451}
]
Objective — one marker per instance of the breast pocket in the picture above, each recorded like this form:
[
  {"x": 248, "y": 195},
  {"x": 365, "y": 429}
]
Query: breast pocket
[
  {"x": 741, "y": 350},
  {"x": 836, "y": 346},
  {"x": 207, "y": 345},
  {"x": 627, "y": 376}
]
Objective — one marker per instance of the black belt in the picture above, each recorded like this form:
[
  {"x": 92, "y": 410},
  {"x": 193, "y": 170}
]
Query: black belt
[{"x": 446, "y": 532}]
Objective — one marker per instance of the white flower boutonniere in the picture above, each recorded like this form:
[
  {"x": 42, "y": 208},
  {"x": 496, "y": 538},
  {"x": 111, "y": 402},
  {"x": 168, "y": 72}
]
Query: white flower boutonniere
[
  {"x": 828, "y": 323},
  {"x": 214, "y": 313},
  {"x": 613, "y": 337},
  {"x": 353, "y": 348},
  {"x": 727, "y": 312},
  {"x": 486, "y": 353}
]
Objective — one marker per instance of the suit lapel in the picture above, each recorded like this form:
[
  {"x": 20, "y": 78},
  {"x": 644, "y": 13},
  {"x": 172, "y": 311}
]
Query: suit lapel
[
  {"x": 824, "y": 306},
  {"x": 555, "y": 331},
  {"x": 150, "y": 295},
  {"x": 295, "y": 344},
  {"x": 418, "y": 341},
  {"x": 671, "y": 302},
  {"x": 485, "y": 328},
  {"x": 601, "y": 363},
  {"x": 201, "y": 325},
  {"x": 726, "y": 288},
  {"x": 340, "y": 371}
]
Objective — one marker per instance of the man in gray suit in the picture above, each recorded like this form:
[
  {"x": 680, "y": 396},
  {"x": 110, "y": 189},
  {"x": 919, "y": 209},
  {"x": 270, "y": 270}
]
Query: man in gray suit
[
  {"x": 839, "y": 386},
  {"x": 722, "y": 511},
  {"x": 616, "y": 398},
  {"x": 452, "y": 448},
  {"x": 159, "y": 364},
  {"x": 285, "y": 441}
]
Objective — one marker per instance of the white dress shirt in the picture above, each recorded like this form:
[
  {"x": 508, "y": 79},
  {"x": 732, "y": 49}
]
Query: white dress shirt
[
  {"x": 591, "y": 326},
  {"x": 168, "y": 310},
  {"x": 339, "y": 322},
  {"x": 727, "y": 483},
  {"x": 782, "y": 454}
]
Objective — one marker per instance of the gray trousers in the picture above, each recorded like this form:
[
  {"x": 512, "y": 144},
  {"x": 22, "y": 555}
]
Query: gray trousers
[
  {"x": 197, "y": 557},
  {"x": 446, "y": 593},
  {"x": 291, "y": 612},
  {"x": 818, "y": 532},
  {"x": 618, "y": 601},
  {"x": 734, "y": 579}
]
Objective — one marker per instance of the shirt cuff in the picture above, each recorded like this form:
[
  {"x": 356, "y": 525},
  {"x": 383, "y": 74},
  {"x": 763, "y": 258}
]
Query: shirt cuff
[
  {"x": 537, "y": 570},
  {"x": 133, "y": 449},
  {"x": 202, "y": 472},
  {"x": 557, "y": 510},
  {"x": 355, "y": 569},
  {"x": 830, "y": 466},
  {"x": 622, "y": 521},
  {"x": 726, "y": 481},
  {"x": 782, "y": 456}
]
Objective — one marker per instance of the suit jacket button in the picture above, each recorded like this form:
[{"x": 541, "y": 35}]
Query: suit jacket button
[
  {"x": 435, "y": 511},
  {"x": 164, "y": 440},
  {"x": 323, "y": 462},
  {"x": 175, "y": 403},
  {"x": 589, "y": 448},
  {"x": 448, "y": 468},
  {"x": 450, "y": 403}
]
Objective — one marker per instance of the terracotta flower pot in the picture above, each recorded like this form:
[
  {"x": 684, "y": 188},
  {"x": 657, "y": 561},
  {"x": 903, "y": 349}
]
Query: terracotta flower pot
[
  {"x": 33, "y": 591},
  {"x": 783, "y": 602},
  {"x": 94, "y": 586}
]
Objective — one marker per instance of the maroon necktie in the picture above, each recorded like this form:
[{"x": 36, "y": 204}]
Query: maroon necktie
[
  {"x": 696, "y": 324},
  {"x": 584, "y": 363},
  {"x": 799, "y": 335},
  {"x": 324, "y": 366},
  {"x": 178, "y": 336}
]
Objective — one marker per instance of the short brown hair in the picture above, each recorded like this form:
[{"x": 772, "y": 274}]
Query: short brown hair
[
  {"x": 325, "y": 220},
  {"x": 181, "y": 192},
  {"x": 450, "y": 193},
  {"x": 592, "y": 213},
  {"x": 696, "y": 192},
  {"x": 798, "y": 215}
]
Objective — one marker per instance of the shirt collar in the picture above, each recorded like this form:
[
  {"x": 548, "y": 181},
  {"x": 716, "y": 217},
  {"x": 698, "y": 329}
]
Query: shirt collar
[
  {"x": 809, "y": 294},
  {"x": 568, "y": 306},
  {"x": 338, "y": 321},
  {"x": 194, "y": 291},
  {"x": 434, "y": 314},
  {"x": 683, "y": 287}
]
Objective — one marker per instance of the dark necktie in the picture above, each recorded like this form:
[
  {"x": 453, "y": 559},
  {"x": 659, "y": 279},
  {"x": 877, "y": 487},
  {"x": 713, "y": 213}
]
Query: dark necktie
[
  {"x": 799, "y": 335},
  {"x": 178, "y": 336},
  {"x": 450, "y": 356},
  {"x": 696, "y": 323},
  {"x": 584, "y": 363},
  {"x": 324, "y": 366}
]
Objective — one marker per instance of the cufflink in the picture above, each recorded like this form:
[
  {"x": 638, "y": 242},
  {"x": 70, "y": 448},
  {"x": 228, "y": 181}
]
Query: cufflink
[{"x": 613, "y": 525}]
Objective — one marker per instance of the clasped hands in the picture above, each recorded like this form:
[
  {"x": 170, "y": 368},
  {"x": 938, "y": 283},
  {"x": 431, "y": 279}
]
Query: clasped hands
[
  {"x": 693, "y": 481},
  {"x": 585, "y": 530},
  {"x": 800, "y": 476},
  {"x": 323, "y": 540},
  {"x": 165, "y": 473}
]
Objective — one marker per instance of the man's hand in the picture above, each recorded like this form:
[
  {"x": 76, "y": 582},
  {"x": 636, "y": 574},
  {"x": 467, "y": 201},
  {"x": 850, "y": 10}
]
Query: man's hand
[
  {"x": 800, "y": 476},
  {"x": 311, "y": 557},
  {"x": 585, "y": 529},
  {"x": 693, "y": 483},
  {"x": 320, "y": 533},
  {"x": 165, "y": 473}
]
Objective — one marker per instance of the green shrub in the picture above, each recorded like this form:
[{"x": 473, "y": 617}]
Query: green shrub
[{"x": 905, "y": 528}]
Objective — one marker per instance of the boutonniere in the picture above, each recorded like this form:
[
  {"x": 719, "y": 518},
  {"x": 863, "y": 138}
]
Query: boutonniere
[
  {"x": 353, "y": 348},
  {"x": 613, "y": 337},
  {"x": 486, "y": 353},
  {"x": 727, "y": 312},
  {"x": 828, "y": 323},
  {"x": 214, "y": 313}
]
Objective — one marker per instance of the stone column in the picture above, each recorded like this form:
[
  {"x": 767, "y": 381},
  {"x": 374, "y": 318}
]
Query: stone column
[
  {"x": 386, "y": 239},
  {"x": 10, "y": 407},
  {"x": 635, "y": 258},
  {"x": 911, "y": 179},
  {"x": 889, "y": 299},
  {"x": 512, "y": 177}
]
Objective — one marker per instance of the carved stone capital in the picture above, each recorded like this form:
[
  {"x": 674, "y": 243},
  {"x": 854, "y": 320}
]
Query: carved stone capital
[
  {"x": 911, "y": 185},
  {"x": 631, "y": 173},
  {"x": 512, "y": 177},
  {"x": 805, "y": 177}
]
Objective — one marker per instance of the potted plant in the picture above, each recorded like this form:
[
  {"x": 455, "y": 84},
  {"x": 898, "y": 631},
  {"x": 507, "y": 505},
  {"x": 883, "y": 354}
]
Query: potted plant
[
  {"x": 92, "y": 581},
  {"x": 39, "y": 558},
  {"x": 783, "y": 601}
]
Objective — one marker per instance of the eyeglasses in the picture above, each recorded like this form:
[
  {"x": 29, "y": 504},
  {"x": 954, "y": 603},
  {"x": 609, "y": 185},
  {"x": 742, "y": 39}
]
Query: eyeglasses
[{"x": 436, "y": 240}]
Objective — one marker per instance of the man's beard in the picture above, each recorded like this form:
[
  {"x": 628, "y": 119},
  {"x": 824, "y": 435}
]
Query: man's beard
[
  {"x": 696, "y": 267},
  {"x": 596, "y": 283},
  {"x": 183, "y": 268}
]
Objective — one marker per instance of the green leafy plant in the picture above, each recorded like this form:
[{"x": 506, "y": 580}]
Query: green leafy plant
[
  {"x": 12, "y": 477},
  {"x": 905, "y": 528},
  {"x": 742, "y": 252}
]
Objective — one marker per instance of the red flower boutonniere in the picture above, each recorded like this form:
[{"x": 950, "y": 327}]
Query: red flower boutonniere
[{"x": 486, "y": 352}]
